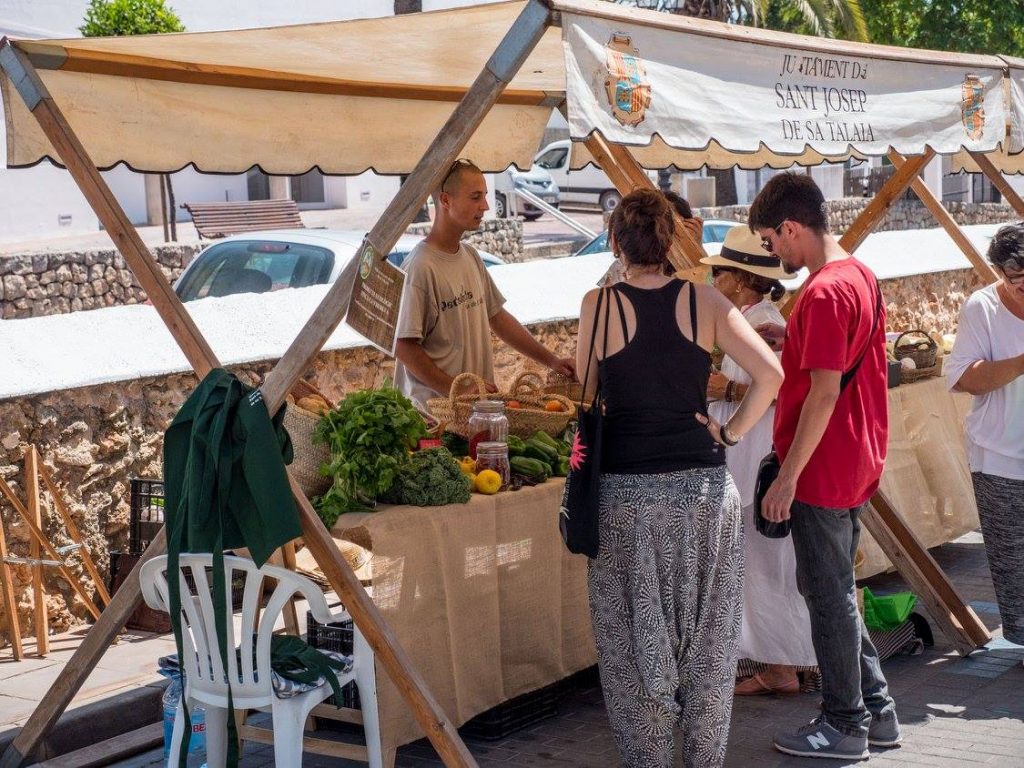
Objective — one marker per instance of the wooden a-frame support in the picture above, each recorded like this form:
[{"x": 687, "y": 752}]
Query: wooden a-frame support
[{"x": 510, "y": 54}]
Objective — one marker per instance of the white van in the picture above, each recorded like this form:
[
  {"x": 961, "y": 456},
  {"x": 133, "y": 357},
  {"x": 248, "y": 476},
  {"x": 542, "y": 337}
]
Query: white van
[{"x": 587, "y": 185}]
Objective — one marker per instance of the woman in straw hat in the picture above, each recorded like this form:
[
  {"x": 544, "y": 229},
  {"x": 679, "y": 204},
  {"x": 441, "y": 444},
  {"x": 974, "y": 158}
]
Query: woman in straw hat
[{"x": 776, "y": 629}]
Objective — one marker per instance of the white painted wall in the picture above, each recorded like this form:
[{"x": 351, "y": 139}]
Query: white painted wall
[
  {"x": 367, "y": 190},
  {"x": 130, "y": 190}
]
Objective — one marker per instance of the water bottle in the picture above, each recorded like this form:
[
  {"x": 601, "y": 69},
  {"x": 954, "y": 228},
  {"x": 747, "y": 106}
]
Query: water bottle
[{"x": 197, "y": 714}]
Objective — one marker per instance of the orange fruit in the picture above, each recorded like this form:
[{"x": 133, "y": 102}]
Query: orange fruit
[
  {"x": 513, "y": 404},
  {"x": 554, "y": 406}
]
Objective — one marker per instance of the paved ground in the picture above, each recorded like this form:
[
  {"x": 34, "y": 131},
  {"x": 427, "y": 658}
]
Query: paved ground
[{"x": 957, "y": 712}]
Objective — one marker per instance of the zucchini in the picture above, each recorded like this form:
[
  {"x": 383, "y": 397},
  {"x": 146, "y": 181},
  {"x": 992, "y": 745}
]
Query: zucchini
[
  {"x": 532, "y": 468},
  {"x": 545, "y": 438},
  {"x": 541, "y": 450}
]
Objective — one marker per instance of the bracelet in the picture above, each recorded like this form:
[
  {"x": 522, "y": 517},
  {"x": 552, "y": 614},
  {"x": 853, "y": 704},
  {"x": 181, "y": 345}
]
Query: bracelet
[
  {"x": 729, "y": 389},
  {"x": 727, "y": 437}
]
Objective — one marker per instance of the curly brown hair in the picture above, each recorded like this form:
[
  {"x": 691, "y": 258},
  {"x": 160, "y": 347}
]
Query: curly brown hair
[{"x": 643, "y": 228}]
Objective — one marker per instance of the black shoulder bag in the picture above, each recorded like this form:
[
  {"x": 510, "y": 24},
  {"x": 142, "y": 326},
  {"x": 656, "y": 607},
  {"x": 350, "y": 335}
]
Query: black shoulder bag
[
  {"x": 578, "y": 515},
  {"x": 768, "y": 470}
]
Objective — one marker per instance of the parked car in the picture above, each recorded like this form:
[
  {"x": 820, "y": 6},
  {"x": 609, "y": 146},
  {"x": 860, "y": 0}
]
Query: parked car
[
  {"x": 714, "y": 232},
  {"x": 587, "y": 185},
  {"x": 257, "y": 262},
  {"x": 536, "y": 180}
]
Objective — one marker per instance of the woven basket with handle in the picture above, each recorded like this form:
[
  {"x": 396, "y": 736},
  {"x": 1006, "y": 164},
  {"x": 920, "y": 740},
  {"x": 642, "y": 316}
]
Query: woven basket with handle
[
  {"x": 523, "y": 421},
  {"x": 309, "y": 456},
  {"x": 918, "y": 346}
]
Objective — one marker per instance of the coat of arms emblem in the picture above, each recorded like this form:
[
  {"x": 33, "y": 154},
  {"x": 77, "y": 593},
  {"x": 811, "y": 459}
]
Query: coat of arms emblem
[
  {"x": 627, "y": 86},
  {"x": 972, "y": 106}
]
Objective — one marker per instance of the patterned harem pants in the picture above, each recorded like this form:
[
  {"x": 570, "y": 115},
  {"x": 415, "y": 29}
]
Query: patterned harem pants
[
  {"x": 666, "y": 593},
  {"x": 1001, "y": 509}
]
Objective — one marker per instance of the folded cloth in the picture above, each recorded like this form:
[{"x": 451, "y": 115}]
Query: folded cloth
[{"x": 284, "y": 687}]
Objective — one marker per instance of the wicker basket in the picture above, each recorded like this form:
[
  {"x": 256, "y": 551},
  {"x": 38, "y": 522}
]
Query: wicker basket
[
  {"x": 455, "y": 409},
  {"x": 557, "y": 384},
  {"x": 916, "y": 374},
  {"x": 921, "y": 350},
  {"x": 309, "y": 456}
]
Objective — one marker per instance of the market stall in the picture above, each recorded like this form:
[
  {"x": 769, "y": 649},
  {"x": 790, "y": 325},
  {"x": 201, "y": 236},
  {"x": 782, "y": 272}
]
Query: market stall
[
  {"x": 483, "y": 595},
  {"x": 926, "y": 475},
  {"x": 624, "y": 79}
]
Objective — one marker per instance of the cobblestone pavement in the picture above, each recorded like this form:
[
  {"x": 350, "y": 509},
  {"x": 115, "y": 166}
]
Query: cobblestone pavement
[{"x": 957, "y": 713}]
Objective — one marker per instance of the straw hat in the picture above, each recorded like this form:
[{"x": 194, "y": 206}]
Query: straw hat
[
  {"x": 360, "y": 560},
  {"x": 742, "y": 250}
]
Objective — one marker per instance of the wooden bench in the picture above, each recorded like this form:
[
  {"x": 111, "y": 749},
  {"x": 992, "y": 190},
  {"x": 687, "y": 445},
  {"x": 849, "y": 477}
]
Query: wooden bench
[{"x": 214, "y": 220}]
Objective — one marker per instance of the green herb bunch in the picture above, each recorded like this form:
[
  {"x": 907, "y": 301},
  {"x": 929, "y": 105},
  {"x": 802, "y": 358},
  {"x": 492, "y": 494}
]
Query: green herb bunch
[{"x": 370, "y": 435}]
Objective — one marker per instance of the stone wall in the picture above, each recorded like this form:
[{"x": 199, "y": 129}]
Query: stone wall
[
  {"x": 56, "y": 282},
  {"x": 499, "y": 237},
  {"x": 95, "y": 439},
  {"x": 904, "y": 214}
]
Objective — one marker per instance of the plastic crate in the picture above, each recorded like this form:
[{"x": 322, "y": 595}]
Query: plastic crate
[
  {"x": 339, "y": 637},
  {"x": 147, "y": 513},
  {"x": 518, "y": 713}
]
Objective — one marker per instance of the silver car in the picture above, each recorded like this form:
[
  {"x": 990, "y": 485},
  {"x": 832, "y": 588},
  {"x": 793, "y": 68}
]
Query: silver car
[{"x": 258, "y": 262}]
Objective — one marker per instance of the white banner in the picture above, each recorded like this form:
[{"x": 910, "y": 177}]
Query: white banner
[
  {"x": 632, "y": 82},
  {"x": 1015, "y": 140}
]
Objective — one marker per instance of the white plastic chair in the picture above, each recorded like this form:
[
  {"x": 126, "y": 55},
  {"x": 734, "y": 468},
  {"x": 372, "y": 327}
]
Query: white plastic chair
[{"x": 249, "y": 668}]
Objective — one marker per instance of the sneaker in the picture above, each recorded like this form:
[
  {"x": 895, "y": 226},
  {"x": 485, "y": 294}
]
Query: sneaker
[
  {"x": 819, "y": 739},
  {"x": 885, "y": 732}
]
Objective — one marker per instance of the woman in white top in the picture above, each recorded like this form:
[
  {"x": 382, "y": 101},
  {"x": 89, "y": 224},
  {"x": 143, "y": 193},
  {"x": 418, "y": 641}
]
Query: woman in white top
[
  {"x": 988, "y": 362},
  {"x": 776, "y": 628}
]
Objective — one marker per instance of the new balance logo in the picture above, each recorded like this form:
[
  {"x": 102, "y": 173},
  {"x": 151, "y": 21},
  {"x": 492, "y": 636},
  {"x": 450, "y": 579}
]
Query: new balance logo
[{"x": 817, "y": 740}]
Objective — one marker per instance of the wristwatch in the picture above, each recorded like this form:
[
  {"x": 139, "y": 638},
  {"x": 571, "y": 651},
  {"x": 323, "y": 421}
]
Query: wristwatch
[{"x": 728, "y": 437}]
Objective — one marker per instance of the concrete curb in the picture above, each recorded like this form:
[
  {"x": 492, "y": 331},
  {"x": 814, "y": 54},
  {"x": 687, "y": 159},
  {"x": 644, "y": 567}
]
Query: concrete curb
[{"x": 97, "y": 721}]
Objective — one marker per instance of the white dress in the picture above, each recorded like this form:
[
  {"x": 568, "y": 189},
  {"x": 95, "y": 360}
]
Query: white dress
[{"x": 776, "y": 627}]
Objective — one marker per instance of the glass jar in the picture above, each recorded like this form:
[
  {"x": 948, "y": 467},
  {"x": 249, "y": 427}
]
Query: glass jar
[
  {"x": 494, "y": 455},
  {"x": 487, "y": 424}
]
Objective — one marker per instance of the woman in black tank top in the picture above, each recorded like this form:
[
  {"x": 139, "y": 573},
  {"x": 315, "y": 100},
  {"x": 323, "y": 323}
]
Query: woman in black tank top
[{"x": 666, "y": 586}]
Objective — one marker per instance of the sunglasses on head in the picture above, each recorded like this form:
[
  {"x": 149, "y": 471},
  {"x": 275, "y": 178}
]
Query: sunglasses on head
[
  {"x": 461, "y": 162},
  {"x": 766, "y": 242}
]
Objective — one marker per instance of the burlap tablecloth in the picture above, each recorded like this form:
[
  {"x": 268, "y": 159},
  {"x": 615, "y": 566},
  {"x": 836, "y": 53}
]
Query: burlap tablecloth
[
  {"x": 926, "y": 475},
  {"x": 482, "y": 596}
]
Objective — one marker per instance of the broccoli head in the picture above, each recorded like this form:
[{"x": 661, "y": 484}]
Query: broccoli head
[{"x": 430, "y": 478}]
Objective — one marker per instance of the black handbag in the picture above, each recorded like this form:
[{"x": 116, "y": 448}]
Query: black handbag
[
  {"x": 578, "y": 515},
  {"x": 766, "y": 474},
  {"x": 768, "y": 470}
]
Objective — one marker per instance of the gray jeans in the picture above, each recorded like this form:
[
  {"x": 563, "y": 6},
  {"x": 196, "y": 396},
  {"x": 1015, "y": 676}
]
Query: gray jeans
[{"x": 853, "y": 687}]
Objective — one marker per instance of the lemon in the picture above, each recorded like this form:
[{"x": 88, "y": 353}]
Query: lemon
[{"x": 488, "y": 481}]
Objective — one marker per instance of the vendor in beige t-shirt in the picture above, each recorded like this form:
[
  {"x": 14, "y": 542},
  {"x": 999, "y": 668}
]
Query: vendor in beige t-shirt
[{"x": 451, "y": 304}]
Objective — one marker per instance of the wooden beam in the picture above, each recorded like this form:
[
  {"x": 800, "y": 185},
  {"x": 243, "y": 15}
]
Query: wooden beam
[
  {"x": 875, "y": 210},
  {"x": 93, "y": 646},
  {"x": 938, "y": 210},
  {"x": 923, "y": 575},
  {"x": 628, "y": 175},
  {"x": 502, "y": 66},
  {"x": 42, "y": 619},
  {"x": 525, "y": 33},
  {"x": 72, "y": 529},
  {"x": 50, "y": 56},
  {"x": 40, "y": 537},
  {"x": 109, "y": 751},
  {"x": 126, "y": 239},
  {"x": 1009, "y": 193},
  {"x": 10, "y": 604}
]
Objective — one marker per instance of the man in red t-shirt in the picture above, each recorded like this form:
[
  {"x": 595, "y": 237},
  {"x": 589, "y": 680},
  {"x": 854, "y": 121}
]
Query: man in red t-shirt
[{"x": 831, "y": 430}]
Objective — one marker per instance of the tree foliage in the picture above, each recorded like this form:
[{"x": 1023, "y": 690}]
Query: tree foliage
[
  {"x": 969, "y": 26},
  {"x": 106, "y": 18}
]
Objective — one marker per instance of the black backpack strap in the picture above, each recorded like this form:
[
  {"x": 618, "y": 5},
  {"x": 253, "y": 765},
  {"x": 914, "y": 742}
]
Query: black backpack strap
[{"x": 848, "y": 376}]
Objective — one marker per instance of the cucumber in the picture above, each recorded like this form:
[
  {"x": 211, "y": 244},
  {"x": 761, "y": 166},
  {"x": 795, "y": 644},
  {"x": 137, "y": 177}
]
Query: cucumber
[{"x": 541, "y": 450}]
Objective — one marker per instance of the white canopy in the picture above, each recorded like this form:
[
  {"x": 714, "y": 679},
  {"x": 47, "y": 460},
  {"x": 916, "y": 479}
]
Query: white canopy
[{"x": 372, "y": 93}]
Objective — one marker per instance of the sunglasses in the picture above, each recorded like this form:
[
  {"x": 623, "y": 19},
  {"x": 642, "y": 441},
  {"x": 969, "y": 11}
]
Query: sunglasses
[
  {"x": 716, "y": 271},
  {"x": 1015, "y": 279},
  {"x": 460, "y": 163},
  {"x": 766, "y": 242}
]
